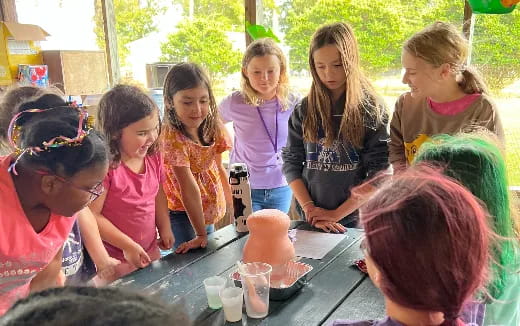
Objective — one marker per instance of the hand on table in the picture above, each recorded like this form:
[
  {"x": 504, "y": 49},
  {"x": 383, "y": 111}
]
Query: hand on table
[
  {"x": 197, "y": 242},
  {"x": 317, "y": 214},
  {"x": 166, "y": 239},
  {"x": 106, "y": 269},
  {"x": 330, "y": 227},
  {"x": 136, "y": 256}
]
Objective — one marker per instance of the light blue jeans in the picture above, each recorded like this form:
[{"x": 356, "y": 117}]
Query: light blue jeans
[{"x": 276, "y": 198}]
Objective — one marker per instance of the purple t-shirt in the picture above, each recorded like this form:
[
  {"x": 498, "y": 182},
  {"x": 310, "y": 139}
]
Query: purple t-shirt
[{"x": 253, "y": 144}]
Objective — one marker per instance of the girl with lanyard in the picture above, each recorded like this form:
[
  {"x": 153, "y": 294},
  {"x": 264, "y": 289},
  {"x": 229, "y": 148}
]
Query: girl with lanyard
[{"x": 260, "y": 112}]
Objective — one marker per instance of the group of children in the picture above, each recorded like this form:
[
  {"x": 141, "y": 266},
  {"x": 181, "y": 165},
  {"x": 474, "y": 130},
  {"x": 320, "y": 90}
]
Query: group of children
[{"x": 139, "y": 184}]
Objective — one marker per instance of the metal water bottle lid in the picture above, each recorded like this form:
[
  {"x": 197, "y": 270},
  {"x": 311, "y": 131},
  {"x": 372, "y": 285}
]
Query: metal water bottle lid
[
  {"x": 239, "y": 167},
  {"x": 239, "y": 170}
]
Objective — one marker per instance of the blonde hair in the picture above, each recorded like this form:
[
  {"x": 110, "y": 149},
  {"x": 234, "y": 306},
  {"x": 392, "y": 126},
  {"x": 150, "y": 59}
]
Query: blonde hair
[
  {"x": 361, "y": 98},
  {"x": 260, "y": 48},
  {"x": 442, "y": 43}
]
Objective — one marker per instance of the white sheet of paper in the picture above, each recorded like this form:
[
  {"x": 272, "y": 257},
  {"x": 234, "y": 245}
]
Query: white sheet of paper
[{"x": 315, "y": 245}]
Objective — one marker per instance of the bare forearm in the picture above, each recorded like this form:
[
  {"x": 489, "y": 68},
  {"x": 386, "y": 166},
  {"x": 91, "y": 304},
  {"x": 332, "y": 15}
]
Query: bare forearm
[
  {"x": 48, "y": 277},
  {"x": 162, "y": 218},
  {"x": 225, "y": 184},
  {"x": 90, "y": 236},
  {"x": 192, "y": 202},
  {"x": 358, "y": 198},
  {"x": 111, "y": 234},
  {"x": 300, "y": 191}
]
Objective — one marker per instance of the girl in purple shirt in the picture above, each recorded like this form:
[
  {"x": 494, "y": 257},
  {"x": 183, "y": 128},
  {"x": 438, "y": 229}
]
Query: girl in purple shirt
[{"x": 260, "y": 113}]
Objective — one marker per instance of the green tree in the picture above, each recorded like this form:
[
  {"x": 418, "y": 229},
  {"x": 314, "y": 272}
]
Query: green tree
[
  {"x": 376, "y": 24},
  {"x": 134, "y": 19},
  {"x": 230, "y": 13},
  {"x": 204, "y": 42},
  {"x": 496, "y": 48}
]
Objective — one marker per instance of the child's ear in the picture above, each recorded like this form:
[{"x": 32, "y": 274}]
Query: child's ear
[
  {"x": 373, "y": 271},
  {"x": 376, "y": 278},
  {"x": 50, "y": 185},
  {"x": 446, "y": 70}
]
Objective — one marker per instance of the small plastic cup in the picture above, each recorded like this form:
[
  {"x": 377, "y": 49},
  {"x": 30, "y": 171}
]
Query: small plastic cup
[
  {"x": 256, "y": 284},
  {"x": 232, "y": 302},
  {"x": 213, "y": 285}
]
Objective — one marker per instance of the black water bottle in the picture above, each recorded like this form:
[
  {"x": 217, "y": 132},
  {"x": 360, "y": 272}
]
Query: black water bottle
[{"x": 241, "y": 191}]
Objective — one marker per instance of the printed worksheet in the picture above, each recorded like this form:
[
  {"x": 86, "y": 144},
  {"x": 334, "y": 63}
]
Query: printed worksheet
[{"x": 315, "y": 245}]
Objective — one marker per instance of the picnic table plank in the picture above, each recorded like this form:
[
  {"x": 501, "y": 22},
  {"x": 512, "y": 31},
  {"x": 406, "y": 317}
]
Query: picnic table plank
[
  {"x": 172, "y": 263},
  {"x": 364, "y": 303}
]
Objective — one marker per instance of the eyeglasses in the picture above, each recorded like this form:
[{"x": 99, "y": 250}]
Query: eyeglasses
[{"x": 94, "y": 192}]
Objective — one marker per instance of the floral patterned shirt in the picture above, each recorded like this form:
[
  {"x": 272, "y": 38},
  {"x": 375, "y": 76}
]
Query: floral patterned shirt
[{"x": 179, "y": 150}]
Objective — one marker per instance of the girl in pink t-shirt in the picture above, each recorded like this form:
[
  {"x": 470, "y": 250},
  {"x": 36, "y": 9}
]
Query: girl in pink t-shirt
[
  {"x": 57, "y": 169},
  {"x": 134, "y": 205}
]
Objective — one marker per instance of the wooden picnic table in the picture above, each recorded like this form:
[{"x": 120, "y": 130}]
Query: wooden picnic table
[{"x": 334, "y": 290}]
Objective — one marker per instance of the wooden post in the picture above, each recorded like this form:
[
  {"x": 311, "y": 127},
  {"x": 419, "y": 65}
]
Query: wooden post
[
  {"x": 8, "y": 11},
  {"x": 250, "y": 15},
  {"x": 109, "y": 26},
  {"x": 468, "y": 28}
]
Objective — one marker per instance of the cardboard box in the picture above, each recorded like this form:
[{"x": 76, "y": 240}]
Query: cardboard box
[
  {"x": 19, "y": 44},
  {"x": 77, "y": 72},
  {"x": 33, "y": 75}
]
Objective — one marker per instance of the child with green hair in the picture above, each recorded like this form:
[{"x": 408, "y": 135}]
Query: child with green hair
[{"x": 477, "y": 162}]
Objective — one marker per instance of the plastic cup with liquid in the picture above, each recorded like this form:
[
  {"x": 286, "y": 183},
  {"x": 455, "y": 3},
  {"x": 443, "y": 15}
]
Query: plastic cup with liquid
[
  {"x": 213, "y": 285},
  {"x": 255, "y": 279},
  {"x": 232, "y": 302}
]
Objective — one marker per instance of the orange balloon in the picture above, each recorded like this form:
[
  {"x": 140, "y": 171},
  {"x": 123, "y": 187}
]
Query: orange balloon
[{"x": 509, "y": 3}]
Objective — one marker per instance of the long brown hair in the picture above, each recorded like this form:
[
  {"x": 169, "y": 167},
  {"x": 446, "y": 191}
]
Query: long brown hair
[
  {"x": 442, "y": 43},
  {"x": 186, "y": 76},
  {"x": 361, "y": 97},
  {"x": 117, "y": 109},
  {"x": 260, "y": 48}
]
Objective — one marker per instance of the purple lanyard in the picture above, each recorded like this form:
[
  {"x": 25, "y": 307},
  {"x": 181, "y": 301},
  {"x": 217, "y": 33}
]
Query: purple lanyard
[{"x": 275, "y": 141}]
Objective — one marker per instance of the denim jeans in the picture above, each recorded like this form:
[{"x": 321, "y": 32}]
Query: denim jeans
[
  {"x": 182, "y": 229},
  {"x": 277, "y": 198}
]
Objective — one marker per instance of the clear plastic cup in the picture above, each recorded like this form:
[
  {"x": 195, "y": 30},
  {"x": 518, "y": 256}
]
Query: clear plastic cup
[
  {"x": 232, "y": 302},
  {"x": 255, "y": 279},
  {"x": 213, "y": 285}
]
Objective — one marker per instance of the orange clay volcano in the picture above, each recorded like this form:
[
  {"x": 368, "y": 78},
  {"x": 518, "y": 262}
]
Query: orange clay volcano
[{"x": 268, "y": 240}]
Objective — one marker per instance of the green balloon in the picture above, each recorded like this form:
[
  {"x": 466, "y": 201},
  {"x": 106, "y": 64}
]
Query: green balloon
[
  {"x": 259, "y": 31},
  {"x": 489, "y": 7}
]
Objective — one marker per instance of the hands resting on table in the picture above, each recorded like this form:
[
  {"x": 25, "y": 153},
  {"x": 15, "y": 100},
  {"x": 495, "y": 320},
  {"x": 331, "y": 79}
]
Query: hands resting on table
[
  {"x": 198, "y": 242},
  {"x": 324, "y": 219}
]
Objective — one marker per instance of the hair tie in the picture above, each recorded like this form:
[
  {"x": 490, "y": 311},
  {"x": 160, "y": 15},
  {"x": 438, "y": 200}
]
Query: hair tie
[
  {"x": 84, "y": 129},
  {"x": 451, "y": 315}
]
